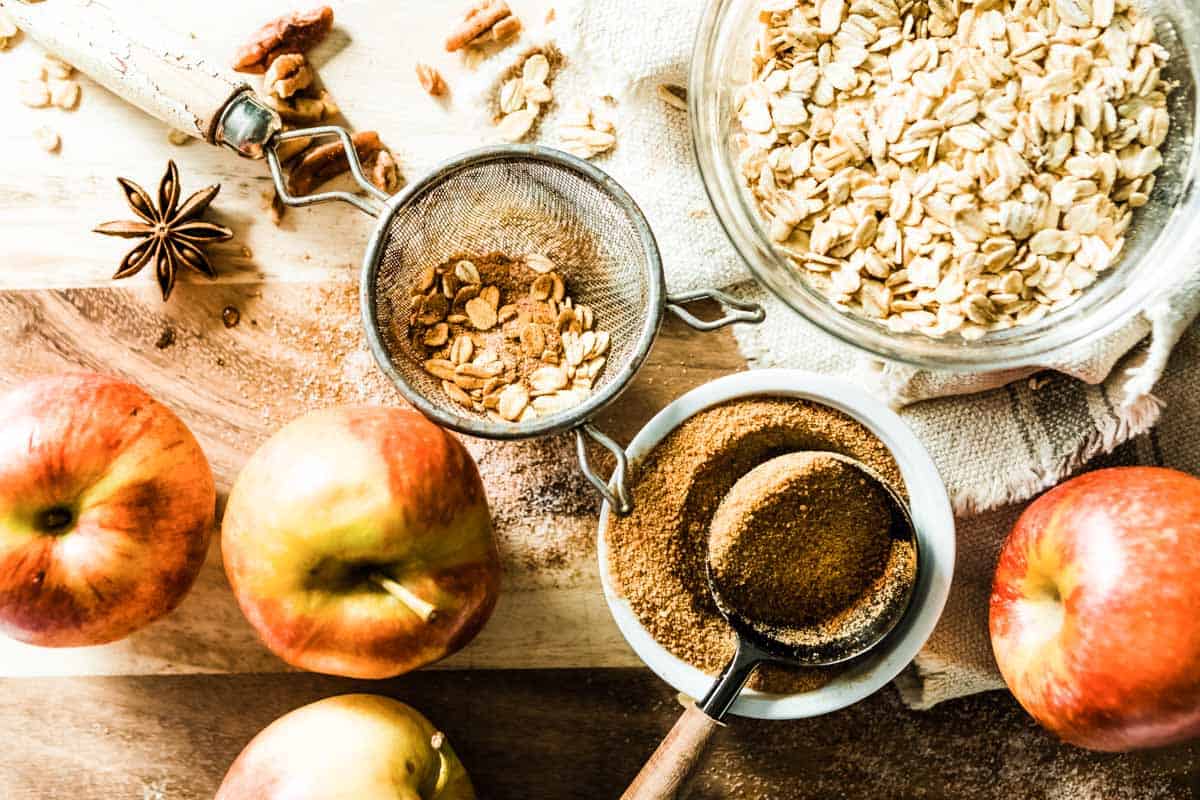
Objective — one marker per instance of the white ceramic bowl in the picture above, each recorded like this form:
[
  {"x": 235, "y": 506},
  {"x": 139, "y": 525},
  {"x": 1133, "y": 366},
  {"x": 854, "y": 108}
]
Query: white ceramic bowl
[{"x": 931, "y": 515}]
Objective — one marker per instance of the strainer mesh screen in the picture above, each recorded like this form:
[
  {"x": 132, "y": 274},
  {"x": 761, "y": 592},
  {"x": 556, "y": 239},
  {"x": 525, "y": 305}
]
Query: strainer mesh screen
[{"x": 515, "y": 206}]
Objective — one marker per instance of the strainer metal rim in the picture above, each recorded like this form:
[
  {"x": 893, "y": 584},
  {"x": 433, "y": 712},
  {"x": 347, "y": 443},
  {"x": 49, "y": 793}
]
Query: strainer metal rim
[{"x": 566, "y": 420}]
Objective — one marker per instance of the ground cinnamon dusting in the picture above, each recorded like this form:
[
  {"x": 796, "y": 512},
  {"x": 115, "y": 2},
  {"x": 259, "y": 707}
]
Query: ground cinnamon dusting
[{"x": 657, "y": 555}]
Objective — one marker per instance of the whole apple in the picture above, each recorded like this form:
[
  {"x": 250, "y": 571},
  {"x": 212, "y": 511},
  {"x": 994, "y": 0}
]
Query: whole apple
[
  {"x": 106, "y": 510},
  {"x": 359, "y": 542},
  {"x": 350, "y": 747},
  {"x": 1095, "y": 609}
]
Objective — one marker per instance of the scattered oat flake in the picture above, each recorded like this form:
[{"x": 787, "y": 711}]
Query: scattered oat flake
[{"x": 47, "y": 139}]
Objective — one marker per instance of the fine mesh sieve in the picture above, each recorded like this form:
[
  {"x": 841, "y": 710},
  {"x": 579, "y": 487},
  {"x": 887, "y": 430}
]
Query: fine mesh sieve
[
  {"x": 518, "y": 204},
  {"x": 518, "y": 200},
  {"x": 515, "y": 199}
]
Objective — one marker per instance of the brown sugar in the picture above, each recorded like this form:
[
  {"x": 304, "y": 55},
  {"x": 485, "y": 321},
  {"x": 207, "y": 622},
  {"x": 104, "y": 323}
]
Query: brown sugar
[
  {"x": 799, "y": 539},
  {"x": 657, "y": 555}
]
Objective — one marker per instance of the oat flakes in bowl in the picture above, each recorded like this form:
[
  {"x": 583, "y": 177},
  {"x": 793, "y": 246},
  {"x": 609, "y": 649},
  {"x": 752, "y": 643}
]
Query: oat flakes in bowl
[{"x": 948, "y": 183}]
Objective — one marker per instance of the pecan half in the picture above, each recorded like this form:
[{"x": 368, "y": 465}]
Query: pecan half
[
  {"x": 480, "y": 19},
  {"x": 326, "y": 162},
  {"x": 502, "y": 31},
  {"x": 297, "y": 32}
]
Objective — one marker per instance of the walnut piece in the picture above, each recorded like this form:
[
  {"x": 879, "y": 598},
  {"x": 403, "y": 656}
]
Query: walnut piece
[
  {"x": 288, "y": 75},
  {"x": 326, "y": 162},
  {"x": 478, "y": 20},
  {"x": 431, "y": 80},
  {"x": 304, "y": 110},
  {"x": 297, "y": 32}
]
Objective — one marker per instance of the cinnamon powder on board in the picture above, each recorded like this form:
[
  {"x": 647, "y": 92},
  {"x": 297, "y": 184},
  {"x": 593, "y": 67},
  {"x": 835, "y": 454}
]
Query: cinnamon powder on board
[{"x": 657, "y": 555}]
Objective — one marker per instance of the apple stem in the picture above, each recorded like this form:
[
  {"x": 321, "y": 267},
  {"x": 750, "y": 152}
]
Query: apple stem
[{"x": 423, "y": 609}]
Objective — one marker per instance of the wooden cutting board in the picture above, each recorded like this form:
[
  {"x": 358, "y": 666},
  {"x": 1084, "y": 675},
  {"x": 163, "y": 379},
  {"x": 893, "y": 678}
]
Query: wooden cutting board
[{"x": 296, "y": 345}]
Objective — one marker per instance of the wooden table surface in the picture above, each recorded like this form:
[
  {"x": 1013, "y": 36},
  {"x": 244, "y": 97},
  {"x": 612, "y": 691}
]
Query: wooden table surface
[{"x": 548, "y": 702}]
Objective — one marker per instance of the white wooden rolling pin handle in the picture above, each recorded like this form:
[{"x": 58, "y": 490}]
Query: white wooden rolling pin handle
[{"x": 155, "y": 69}]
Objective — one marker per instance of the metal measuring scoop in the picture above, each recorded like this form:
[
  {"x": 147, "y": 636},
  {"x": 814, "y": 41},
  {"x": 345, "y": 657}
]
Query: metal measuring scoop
[{"x": 666, "y": 773}]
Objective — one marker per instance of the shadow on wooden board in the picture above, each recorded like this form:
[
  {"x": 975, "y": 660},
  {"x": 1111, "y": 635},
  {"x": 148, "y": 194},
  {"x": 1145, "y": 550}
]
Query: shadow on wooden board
[{"x": 556, "y": 735}]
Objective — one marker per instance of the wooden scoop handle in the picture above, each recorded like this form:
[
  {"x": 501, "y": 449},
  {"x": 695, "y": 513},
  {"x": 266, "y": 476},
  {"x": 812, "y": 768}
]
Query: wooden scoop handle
[
  {"x": 668, "y": 772},
  {"x": 154, "y": 69}
]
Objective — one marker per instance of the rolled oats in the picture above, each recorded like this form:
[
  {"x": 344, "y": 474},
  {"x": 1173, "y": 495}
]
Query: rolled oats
[
  {"x": 586, "y": 132},
  {"x": 64, "y": 94},
  {"x": 35, "y": 94},
  {"x": 47, "y": 139},
  {"x": 515, "y": 126},
  {"x": 498, "y": 359},
  {"x": 673, "y": 95},
  {"x": 523, "y": 95},
  {"x": 947, "y": 166}
]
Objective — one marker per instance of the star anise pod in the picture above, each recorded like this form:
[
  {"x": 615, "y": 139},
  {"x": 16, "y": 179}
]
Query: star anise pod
[{"x": 174, "y": 234}]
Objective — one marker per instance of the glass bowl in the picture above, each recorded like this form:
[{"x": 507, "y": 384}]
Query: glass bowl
[{"x": 1164, "y": 237}]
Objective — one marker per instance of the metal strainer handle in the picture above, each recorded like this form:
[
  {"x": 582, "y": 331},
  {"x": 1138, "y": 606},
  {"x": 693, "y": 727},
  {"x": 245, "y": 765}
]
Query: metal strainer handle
[
  {"x": 735, "y": 310},
  {"x": 356, "y": 170},
  {"x": 617, "y": 497}
]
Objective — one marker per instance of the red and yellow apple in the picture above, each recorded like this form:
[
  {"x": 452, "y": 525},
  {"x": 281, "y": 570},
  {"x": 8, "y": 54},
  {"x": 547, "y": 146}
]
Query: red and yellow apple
[
  {"x": 350, "y": 747},
  {"x": 359, "y": 542},
  {"x": 1095, "y": 609},
  {"x": 106, "y": 510}
]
